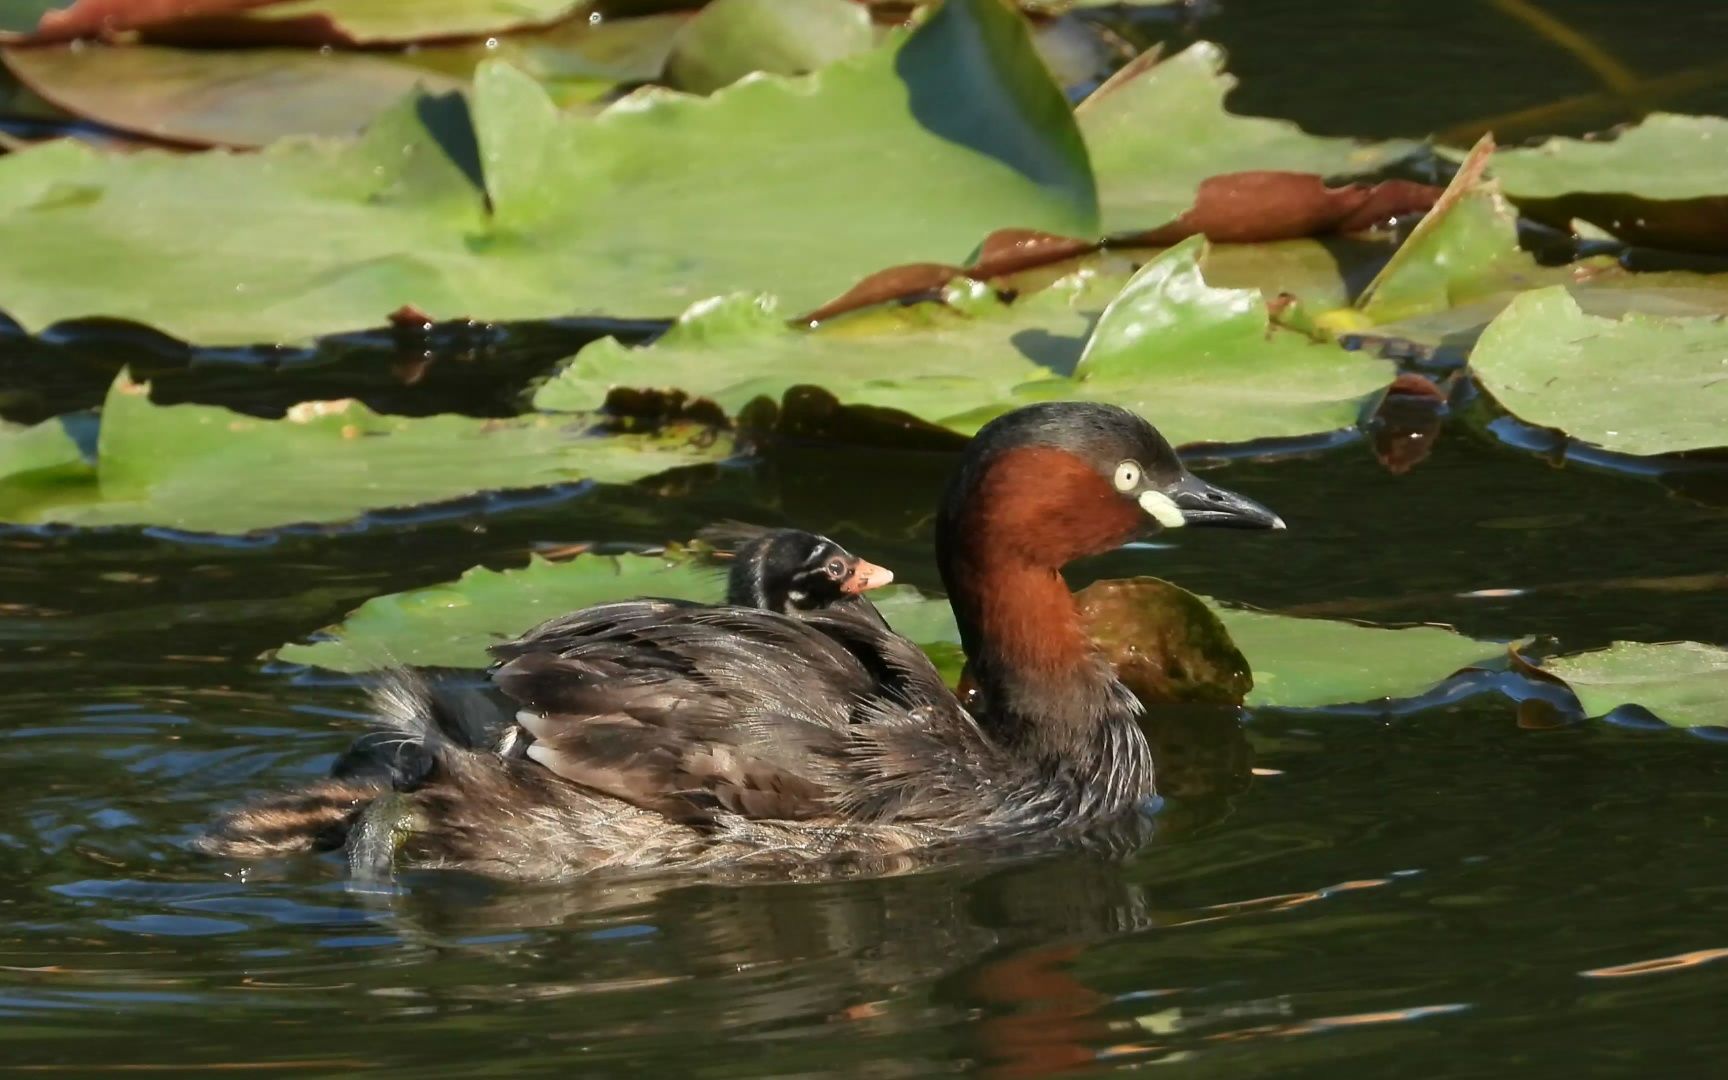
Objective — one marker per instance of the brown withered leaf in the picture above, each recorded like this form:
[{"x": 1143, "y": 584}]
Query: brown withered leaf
[
  {"x": 1407, "y": 422},
  {"x": 409, "y": 317},
  {"x": 1262, "y": 206},
  {"x": 107, "y": 18},
  {"x": 1164, "y": 642},
  {"x": 1009, "y": 251},
  {"x": 908, "y": 282},
  {"x": 1235, "y": 208}
]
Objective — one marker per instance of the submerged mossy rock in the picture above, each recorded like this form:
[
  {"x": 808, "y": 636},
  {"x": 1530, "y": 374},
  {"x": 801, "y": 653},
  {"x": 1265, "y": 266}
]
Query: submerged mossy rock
[{"x": 1165, "y": 643}]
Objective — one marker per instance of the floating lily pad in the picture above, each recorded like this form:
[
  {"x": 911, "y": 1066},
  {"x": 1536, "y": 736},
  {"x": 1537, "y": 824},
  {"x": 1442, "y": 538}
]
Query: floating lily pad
[
  {"x": 209, "y": 97},
  {"x": 1203, "y": 363},
  {"x": 1665, "y": 156},
  {"x": 1599, "y": 285},
  {"x": 1297, "y": 663},
  {"x": 1638, "y": 385},
  {"x": 1685, "y": 683},
  {"x": 1160, "y": 128},
  {"x": 324, "y": 22},
  {"x": 794, "y": 186},
  {"x": 1207, "y": 365},
  {"x": 1311, "y": 663},
  {"x": 1663, "y": 181},
  {"x": 34, "y": 451},
  {"x": 450, "y": 625},
  {"x": 1462, "y": 266},
  {"x": 380, "y": 22},
  {"x": 937, "y": 361},
  {"x": 1466, "y": 247},
  {"x": 730, "y": 39},
  {"x": 251, "y": 97},
  {"x": 206, "y": 469}
]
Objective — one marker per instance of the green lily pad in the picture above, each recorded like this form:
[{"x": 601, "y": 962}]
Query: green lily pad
[
  {"x": 251, "y": 97},
  {"x": 34, "y": 450},
  {"x": 1665, "y": 156},
  {"x": 450, "y": 625},
  {"x": 937, "y": 361},
  {"x": 795, "y": 186},
  {"x": 1685, "y": 683},
  {"x": 209, "y": 97},
  {"x": 1207, "y": 364},
  {"x": 1599, "y": 285},
  {"x": 205, "y": 469},
  {"x": 1204, "y": 363},
  {"x": 1662, "y": 182},
  {"x": 730, "y": 39},
  {"x": 1462, "y": 266},
  {"x": 1160, "y": 128},
  {"x": 1311, "y": 663},
  {"x": 1637, "y": 385},
  {"x": 379, "y": 22},
  {"x": 1297, "y": 663},
  {"x": 1466, "y": 247}
]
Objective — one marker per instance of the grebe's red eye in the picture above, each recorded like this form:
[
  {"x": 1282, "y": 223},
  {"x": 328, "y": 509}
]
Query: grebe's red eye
[{"x": 836, "y": 569}]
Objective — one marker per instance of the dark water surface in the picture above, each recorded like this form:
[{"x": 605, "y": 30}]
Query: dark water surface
[{"x": 1438, "y": 892}]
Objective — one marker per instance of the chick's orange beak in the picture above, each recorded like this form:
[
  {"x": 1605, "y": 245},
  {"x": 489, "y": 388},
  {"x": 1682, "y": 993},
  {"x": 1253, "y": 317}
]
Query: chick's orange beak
[{"x": 866, "y": 576}]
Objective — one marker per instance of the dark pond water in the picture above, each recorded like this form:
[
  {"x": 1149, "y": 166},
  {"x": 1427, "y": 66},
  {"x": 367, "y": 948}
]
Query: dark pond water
[{"x": 1438, "y": 892}]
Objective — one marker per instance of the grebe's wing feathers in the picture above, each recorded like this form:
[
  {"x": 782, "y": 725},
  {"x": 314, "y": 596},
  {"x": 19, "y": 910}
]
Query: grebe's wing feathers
[{"x": 687, "y": 710}]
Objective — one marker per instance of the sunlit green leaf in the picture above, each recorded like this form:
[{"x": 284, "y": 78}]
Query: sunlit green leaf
[
  {"x": 1637, "y": 385},
  {"x": 797, "y": 187},
  {"x": 371, "y": 22},
  {"x": 250, "y": 97},
  {"x": 1683, "y": 682},
  {"x": 729, "y": 39},
  {"x": 1665, "y": 156},
  {"x": 1658, "y": 183},
  {"x": 940, "y": 362},
  {"x": 234, "y": 98},
  {"x": 1309, "y": 663},
  {"x": 34, "y": 449},
  {"x": 1599, "y": 285},
  {"x": 1203, "y": 363},
  {"x": 206, "y": 469},
  {"x": 1465, "y": 247},
  {"x": 1207, "y": 366}
]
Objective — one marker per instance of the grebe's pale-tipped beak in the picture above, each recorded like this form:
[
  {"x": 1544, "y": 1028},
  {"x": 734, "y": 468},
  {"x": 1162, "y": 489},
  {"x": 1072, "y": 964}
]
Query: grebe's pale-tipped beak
[
  {"x": 866, "y": 576},
  {"x": 1193, "y": 501}
]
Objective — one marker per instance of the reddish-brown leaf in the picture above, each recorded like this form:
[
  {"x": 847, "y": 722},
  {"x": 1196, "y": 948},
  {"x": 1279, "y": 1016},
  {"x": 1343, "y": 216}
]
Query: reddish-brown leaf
[
  {"x": 1009, "y": 251},
  {"x": 1407, "y": 422},
  {"x": 1256, "y": 207},
  {"x": 1235, "y": 208},
  {"x": 894, "y": 283},
  {"x": 210, "y": 22},
  {"x": 105, "y": 18}
]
